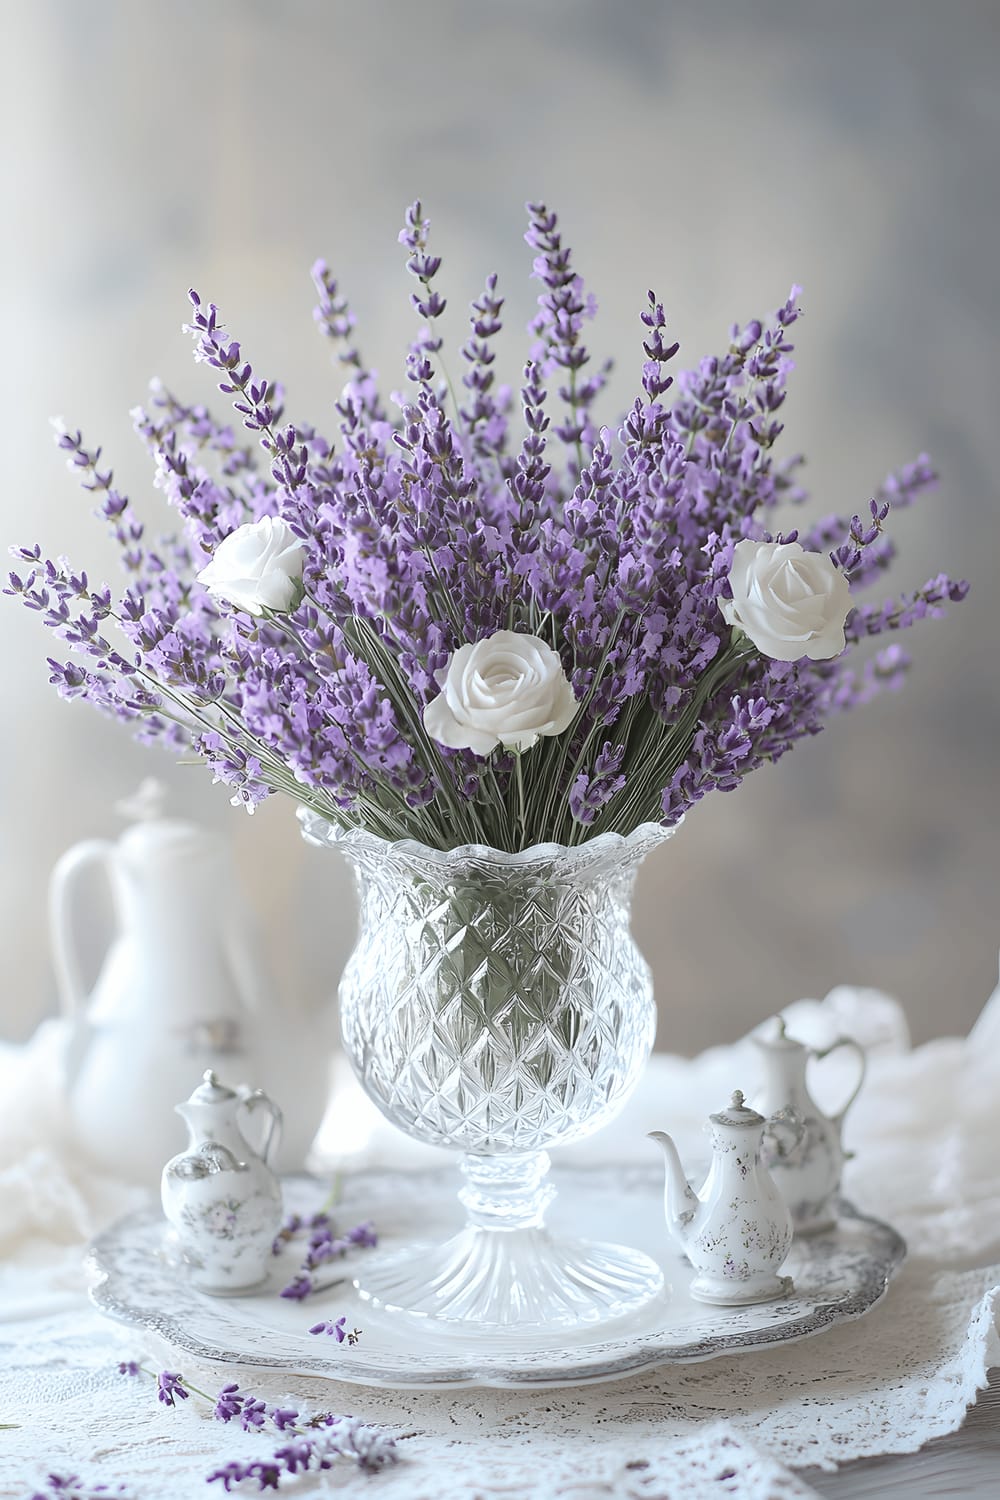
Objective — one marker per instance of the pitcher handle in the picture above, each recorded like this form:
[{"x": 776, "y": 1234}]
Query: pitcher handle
[
  {"x": 862, "y": 1056},
  {"x": 62, "y": 887},
  {"x": 253, "y": 1099}
]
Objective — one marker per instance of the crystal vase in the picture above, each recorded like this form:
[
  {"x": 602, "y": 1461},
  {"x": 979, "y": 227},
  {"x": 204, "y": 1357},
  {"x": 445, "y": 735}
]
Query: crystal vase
[{"x": 497, "y": 1004}]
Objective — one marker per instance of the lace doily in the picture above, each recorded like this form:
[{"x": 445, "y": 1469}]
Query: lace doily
[{"x": 924, "y": 1132}]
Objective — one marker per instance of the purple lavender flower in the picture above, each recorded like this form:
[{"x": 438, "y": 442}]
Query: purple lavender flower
[
  {"x": 289, "y": 1229},
  {"x": 71, "y": 1487},
  {"x": 314, "y": 1445},
  {"x": 128, "y": 1367},
  {"x": 229, "y": 1403},
  {"x": 593, "y": 790},
  {"x": 335, "y": 1437},
  {"x": 370, "y": 1448},
  {"x": 170, "y": 1388},
  {"x": 283, "y": 1417},
  {"x": 254, "y": 1413},
  {"x": 325, "y": 1245},
  {"x": 299, "y": 1288},
  {"x": 334, "y": 1328},
  {"x": 338, "y": 1330},
  {"x": 232, "y": 1474}
]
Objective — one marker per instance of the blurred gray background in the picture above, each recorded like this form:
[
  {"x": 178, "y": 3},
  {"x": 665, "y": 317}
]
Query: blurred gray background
[{"x": 716, "y": 151}]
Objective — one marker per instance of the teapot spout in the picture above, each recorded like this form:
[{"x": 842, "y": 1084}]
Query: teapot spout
[{"x": 679, "y": 1198}]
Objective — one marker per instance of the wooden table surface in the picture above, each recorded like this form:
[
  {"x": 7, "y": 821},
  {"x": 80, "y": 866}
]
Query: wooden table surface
[{"x": 966, "y": 1463}]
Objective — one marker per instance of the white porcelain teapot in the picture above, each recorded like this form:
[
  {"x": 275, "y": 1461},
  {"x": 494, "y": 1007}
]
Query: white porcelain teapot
[
  {"x": 181, "y": 989},
  {"x": 736, "y": 1230},
  {"x": 220, "y": 1195}
]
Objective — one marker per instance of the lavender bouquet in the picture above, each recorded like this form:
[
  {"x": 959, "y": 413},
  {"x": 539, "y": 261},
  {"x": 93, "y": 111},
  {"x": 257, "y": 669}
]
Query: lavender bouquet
[
  {"x": 475, "y": 617},
  {"x": 437, "y": 634}
]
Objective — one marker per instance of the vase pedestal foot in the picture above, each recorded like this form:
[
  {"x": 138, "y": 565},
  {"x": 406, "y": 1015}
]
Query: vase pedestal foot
[{"x": 511, "y": 1279}]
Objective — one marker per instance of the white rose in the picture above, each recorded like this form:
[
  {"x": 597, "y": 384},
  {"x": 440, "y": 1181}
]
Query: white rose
[
  {"x": 505, "y": 690},
  {"x": 790, "y": 602},
  {"x": 258, "y": 567}
]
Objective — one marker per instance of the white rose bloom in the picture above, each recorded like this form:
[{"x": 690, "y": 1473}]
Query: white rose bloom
[
  {"x": 790, "y": 602},
  {"x": 258, "y": 567},
  {"x": 505, "y": 690}
]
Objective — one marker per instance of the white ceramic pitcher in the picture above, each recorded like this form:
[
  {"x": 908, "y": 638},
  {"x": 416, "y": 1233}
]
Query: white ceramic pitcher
[
  {"x": 220, "y": 1195},
  {"x": 802, "y": 1146},
  {"x": 180, "y": 991}
]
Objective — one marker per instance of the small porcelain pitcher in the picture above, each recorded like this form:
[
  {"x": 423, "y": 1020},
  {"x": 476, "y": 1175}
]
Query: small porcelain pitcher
[
  {"x": 802, "y": 1146},
  {"x": 220, "y": 1195},
  {"x": 736, "y": 1230}
]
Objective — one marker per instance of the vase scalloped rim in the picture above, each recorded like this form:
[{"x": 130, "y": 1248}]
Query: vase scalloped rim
[{"x": 322, "y": 831}]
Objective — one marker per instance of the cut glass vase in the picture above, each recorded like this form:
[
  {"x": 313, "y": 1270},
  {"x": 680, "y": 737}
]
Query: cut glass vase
[{"x": 497, "y": 1004}]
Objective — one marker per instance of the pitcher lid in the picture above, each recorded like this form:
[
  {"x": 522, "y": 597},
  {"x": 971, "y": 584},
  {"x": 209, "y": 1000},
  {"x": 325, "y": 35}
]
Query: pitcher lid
[
  {"x": 156, "y": 841},
  {"x": 145, "y": 804},
  {"x": 737, "y": 1113},
  {"x": 774, "y": 1034},
  {"x": 211, "y": 1091}
]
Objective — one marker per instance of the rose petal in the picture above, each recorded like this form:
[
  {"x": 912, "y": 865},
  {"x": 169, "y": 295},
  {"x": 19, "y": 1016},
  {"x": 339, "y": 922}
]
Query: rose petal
[{"x": 442, "y": 725}]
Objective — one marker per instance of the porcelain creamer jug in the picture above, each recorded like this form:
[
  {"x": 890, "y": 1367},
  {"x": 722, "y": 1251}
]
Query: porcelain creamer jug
[
  {"x": 220, "y": 1195},
  {"x": 736, "y": 1230},
  {"x": 181, "y": 989},
  {"x": 803, "y": 1149}
]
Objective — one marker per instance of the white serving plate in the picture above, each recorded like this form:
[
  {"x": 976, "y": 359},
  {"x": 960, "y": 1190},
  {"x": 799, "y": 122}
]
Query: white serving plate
[{"x": 136, "y": 1279}]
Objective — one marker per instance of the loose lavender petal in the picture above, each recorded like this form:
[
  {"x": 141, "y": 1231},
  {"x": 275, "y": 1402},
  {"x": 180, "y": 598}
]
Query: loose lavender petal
[{"x": 337, "y": 1330}]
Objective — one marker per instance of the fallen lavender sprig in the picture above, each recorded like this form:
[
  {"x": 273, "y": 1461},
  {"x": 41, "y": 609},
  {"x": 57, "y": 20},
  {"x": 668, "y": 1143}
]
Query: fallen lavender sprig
[
  {"x": 323, "y": 1246},
  {"x": 70, "y": 1487},
  {"x": 341, "y": 1437},
  {"x": 313, "y": 1443}
]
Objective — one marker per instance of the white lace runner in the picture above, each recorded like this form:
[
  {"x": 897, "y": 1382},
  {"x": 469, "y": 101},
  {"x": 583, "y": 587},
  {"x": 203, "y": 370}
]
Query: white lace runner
[{"x": 925, "y": 1131}]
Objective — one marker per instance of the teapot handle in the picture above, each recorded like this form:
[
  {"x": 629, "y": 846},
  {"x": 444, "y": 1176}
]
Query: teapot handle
[
  {"x": 253, "y": 1099},
  {"x": 862, "y": 1056},
  {"x": 65, "y": 955}
]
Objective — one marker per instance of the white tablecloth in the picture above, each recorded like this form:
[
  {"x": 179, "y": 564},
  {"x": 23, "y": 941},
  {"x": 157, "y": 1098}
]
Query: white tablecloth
[{"x": 926, "y": 1131}]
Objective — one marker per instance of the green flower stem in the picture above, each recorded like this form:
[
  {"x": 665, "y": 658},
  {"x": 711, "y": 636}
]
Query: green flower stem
[
  {"x": 653, "y": 759},
  {"x": 558, "y": 782},
  {"x": 401, "y": 696},
  {"x": 522, "y": 826}
]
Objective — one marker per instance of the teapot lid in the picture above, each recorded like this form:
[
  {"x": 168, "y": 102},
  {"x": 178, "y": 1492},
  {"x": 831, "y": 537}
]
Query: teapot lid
[
  {"x": 737, "y": 1113},
  {"x": 211, "y": 1091}
]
